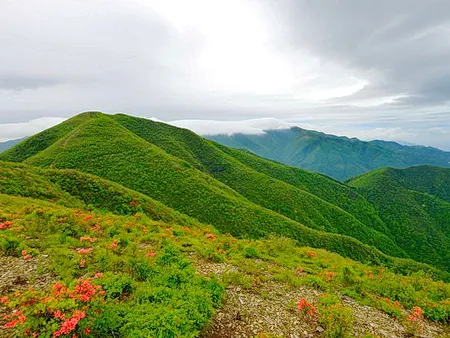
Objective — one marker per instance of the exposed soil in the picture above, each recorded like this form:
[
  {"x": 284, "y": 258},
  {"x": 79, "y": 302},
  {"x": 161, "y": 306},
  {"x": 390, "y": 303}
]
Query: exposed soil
[
  {"x": 18, "y": 274},
  {"x": 269, "y": 310}
]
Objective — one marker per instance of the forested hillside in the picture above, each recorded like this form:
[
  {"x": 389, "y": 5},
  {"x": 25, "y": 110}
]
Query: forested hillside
[{"x": 334, "y": 156}]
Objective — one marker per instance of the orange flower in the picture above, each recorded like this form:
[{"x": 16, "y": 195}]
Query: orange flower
[{"x": 83, "y": 251}]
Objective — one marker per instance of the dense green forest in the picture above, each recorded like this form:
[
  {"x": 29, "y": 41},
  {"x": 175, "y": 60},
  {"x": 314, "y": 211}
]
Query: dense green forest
[{"x": 335, "y": 156}]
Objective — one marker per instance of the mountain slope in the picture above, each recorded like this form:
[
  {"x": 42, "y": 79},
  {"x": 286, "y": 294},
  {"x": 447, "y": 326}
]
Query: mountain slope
[
  {"x": 293, "y": 201},
  {"x": 236, "y": 192},
  {"x": 128, "y": 276},
  {"x": 101, "y": 146},
  {"x": 338, "y": 157},
  {"x": 420, "y": 222},
  {"x": 104, "y": 148}
]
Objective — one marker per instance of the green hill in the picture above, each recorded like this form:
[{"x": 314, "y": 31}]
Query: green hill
[
  {"x": 408, "y": 202},
  {"x": 334, "y": 156},
  {"x": 100, "y": 145},
  {"x": 237, "y": 192}
]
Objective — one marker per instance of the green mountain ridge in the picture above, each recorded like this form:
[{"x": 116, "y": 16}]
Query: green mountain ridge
[
  {"x": 407, "y": 200},
  {"x": 237, "y": 192},
  {"x": 335, "y": 156}
]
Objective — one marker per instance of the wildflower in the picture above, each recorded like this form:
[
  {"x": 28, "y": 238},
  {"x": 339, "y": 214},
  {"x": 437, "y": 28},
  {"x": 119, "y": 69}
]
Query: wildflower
[
  {"x": 70, "y": 324},
  {"x": 24, "y": 252},
  {"x": 11, "y": 323},
  {"x": 311, "y": 254},
  {"x": 82, "y": 263},
  {"x": 4, "y": 300},
  {"x": 27, "y": 257},
  {"x": 5, "y": 225},
  {"x": 88, "y": 217},
  {"x": 98, "y": 275},
  {"x": 306, "y": 307},
  {"x": 150, "y": 254},
  {"x": 300, "y": 269},
  {"x": 88, "y": 239},
  {"x": 59, "y": 289},
  {"x": 329, "y": 275},
  {"x": 87, "y": 331},
  {"x": 83, "y": 251},
  {"x": 211, "y": 237},
  {"x": 59, "y": 315},
  {"x": 114, "y": 244}
]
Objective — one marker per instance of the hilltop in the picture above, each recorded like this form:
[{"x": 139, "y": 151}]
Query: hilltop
[
  {"x": 197, "y": 177},
  {"x": 237, "y": 192},
  {"x": 335, "y": 156}
]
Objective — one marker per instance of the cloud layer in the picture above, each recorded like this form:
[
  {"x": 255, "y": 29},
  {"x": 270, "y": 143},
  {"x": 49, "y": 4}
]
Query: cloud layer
[{"x": 377, "y": 68}]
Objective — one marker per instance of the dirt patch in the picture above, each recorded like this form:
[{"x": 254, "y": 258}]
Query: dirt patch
[
  {"x": 270, "y": 309},
  {"x": 18, "y": 274}
]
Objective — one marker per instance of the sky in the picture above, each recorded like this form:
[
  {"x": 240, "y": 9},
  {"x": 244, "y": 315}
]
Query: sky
[{"x": 373, "y": 69}]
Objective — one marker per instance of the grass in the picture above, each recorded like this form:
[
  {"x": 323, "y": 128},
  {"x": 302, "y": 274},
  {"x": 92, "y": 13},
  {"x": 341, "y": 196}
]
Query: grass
[{"x": 139, "y": 279}]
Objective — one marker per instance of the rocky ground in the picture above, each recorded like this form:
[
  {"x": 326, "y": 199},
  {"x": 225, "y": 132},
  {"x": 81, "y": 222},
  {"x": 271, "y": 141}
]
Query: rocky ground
[
  {"x": 18, "y": 274},
  {"x": 269, "y": 310}
]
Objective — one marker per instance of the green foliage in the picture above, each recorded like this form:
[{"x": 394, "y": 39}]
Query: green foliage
[
  {"x": 120, "y": 148},
  {"x": 405, "y": 201},
  {"x": 334, "y": 156},
  {"x": 335, "y": 317},
  {"x": 132, "y": 293}
]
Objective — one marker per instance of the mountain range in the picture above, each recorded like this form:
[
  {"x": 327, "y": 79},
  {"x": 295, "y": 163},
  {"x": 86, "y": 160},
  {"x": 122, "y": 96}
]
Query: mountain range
[
  {"x": 235, "y": 191},
  {"x": 135, "y": 203},
  {"x": 334, "y": 156}
]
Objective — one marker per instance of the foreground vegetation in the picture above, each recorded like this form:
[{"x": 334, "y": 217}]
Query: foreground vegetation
[{"x": 134, "y": 276}]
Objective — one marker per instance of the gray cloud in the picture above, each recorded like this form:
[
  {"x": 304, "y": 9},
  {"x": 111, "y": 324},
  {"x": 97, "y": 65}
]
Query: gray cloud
[{"x": 342, "y": 66}]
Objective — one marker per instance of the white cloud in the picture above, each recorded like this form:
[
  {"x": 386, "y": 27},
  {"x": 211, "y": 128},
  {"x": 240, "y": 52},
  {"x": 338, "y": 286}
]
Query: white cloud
[
  {"x": 210, "y": 127},
  {"x": 11, "y": 131}
]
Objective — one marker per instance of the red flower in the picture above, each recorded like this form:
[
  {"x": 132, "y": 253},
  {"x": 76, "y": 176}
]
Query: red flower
[
  {"x": 70, "y": 324},
  {"x": 98, "y": 275},
  {"x": 84, "y": 251},
  {"x": 5, "y": 225},
  {"x": 306, "y": 307},
  {"x": 24, "y": 252},
  {"x": 11, "y": 324},
  {"x": 211, "y": 237},
  {"x": 150, "y": 254},
  {"x": 4, "y": 300},
  {"x": 27, "y": 257},
  {"x": 114, "y": 244},
  {"x": 82, "y": 263}
]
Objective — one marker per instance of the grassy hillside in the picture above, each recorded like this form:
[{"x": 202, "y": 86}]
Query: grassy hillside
[
  {"x": 73, "y": 188},
  {"x": 423, "y": 217},
  {"x": 41, "y": 141},
  {"x": 301, "y": 201},
  {"x": 104, "y": 148},
  {"x": 99, "y": 274},
  {"x": 338, "y": 157},
  {"x": 236, "y": 192}
]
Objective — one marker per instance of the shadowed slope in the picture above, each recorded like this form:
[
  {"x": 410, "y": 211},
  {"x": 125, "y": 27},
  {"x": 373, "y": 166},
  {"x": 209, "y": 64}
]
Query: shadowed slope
[{"x": 420, "y": 222}]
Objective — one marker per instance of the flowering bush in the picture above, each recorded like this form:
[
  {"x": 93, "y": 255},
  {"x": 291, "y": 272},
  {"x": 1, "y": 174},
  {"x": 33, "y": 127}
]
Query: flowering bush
[
  {"x": 306, "y": 307},
  {"x": 413, "y": 321},
  {"x": 62, "y": 311}
]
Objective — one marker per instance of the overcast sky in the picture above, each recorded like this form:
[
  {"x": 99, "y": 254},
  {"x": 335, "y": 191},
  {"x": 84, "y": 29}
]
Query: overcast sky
[{"x": 371, "y": 69}]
